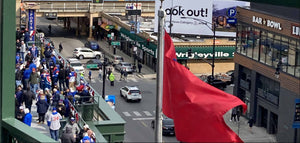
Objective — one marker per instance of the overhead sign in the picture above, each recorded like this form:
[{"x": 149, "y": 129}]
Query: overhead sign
[
  {"x": 31, "y": 24},
  {"x": 115, "y": 43},
  {"x": 295, "y": 30},
  {"x": 197, "y": 13},
  {"x": 231, "y": 20},
  {"x": 231, "y": 12},
  {"x": 133, "y": 6}
]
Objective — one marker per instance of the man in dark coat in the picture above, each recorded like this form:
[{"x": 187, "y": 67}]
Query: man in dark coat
[
  {"x": 61, "y": 78},
  {"x": 28, "y": 96},
  {"x": 42, "y": 108},
  {"x": 67, "y": 136},
  {"x": 140, "y": 67}
]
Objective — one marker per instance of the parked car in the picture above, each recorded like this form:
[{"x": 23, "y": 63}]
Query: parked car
[
  {"x": 92, "y": 45},
  {"x": 216, "y": 83},
  {"x": 76, "y": 65},
  {"x": 93, "y": 64},
  {"x": 124, "y": 65},
  {"x": 131, "y": 93},
  {"x": 117, "y": 59},
  {"x": 82, "y": 53},
  {"x": 168, "y": 127}
]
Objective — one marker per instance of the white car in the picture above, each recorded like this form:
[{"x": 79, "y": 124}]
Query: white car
[
  {"x": 76, "y": 65},
  {"x": 82, "y": 53},
  {"x": 131, "y": 93}
]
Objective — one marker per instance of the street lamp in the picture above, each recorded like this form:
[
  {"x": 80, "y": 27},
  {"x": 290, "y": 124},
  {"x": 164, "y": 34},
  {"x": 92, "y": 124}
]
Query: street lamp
[
  {"x": 214, "y": 41},
  {"x": 105, "y": 63}
]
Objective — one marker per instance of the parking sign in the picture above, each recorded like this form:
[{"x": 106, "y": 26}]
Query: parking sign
[{"x": 231, "y": 12}]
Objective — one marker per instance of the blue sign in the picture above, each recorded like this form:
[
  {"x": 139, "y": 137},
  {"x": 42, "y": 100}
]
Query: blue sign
[
  {"x": 31, "y": 24},
  {"x": 296, "y": 123},
  {"x": 231, "y": 21},
  {"x": 231, "y": 12}
]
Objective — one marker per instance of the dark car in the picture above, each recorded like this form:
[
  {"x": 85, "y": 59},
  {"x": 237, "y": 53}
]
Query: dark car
[
  {"x": 168, "y": 127},
  {"x": 93, "y": 64},
  {"x": 92, "y": 45}
]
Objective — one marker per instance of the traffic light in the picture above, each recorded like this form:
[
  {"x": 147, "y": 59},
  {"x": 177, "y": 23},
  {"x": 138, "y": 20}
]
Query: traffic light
[{"x": 189, "y": 52}]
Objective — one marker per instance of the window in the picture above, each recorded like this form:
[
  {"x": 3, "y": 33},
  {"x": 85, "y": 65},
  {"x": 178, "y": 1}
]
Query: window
[{"x": 256, "y": 44}]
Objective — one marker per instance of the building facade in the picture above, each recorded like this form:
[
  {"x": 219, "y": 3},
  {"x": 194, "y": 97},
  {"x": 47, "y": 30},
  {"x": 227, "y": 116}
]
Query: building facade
[{"x": 267, "y": 67}]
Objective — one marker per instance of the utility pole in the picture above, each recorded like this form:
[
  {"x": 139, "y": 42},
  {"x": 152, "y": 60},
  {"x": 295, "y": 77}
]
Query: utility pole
[
  {"x": 159, "y": 81},
  {"x": 103, "y": 76}
]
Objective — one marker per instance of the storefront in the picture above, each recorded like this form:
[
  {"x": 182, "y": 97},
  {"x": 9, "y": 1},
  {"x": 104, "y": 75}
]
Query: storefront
[
  {"x": 141, "y": 49},
  {"x": 267, "y": 62},
  {"x": 200, "y": 56}
]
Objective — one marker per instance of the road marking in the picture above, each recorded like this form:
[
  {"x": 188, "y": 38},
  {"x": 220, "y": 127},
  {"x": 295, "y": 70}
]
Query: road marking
[
  {"x": 134, "y": 80},
  {"x": 147, "y": 113},
  {"x": 93, "y": 81},
  {"x": 100, "y": 80},
  {"x": 126, "y": 114},
  {"x": 137, "y": 113},
  {"x": 144, "y": 124},
  {"x": 140, "y": 119}
]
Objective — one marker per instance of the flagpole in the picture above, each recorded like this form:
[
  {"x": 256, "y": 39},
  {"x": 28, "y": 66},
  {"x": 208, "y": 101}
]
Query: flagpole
[{"x": 159, "y": 81}]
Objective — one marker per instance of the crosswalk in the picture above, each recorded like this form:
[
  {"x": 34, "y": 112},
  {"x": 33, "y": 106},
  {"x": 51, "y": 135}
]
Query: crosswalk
[
  {"x": 95, "y": 80},
  {"x": 139, "y": 115}
]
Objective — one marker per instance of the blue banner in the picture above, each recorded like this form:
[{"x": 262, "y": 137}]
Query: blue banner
[
  {"x": 296, "y": 123},
  {"x": 31, "y": 27}
]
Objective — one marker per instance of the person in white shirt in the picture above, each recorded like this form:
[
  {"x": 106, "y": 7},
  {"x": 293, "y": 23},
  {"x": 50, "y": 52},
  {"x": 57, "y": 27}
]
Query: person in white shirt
[{"x": 54, "y": 124}]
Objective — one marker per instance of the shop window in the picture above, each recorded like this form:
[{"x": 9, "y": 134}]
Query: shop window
[
  {"x": 239, "y": 39},
  {"x": 256, "y": 39},
  {"x": 250, "y": 42},
  {"x": 263, "y": 49},
  {"x": 284, "y": 56},
  {"x": 268, "y": 89}
]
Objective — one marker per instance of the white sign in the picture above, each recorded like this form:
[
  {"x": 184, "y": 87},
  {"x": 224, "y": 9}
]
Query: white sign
[
  {"x": 267, "y": 22},
  {"x": 295, "y": 30},
  {"x": 132, "y": 6},
  {"x": 188, "y": 16}
]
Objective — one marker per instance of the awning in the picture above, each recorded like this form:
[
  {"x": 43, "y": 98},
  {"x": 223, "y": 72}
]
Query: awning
[{"x": 104, "y": 26}]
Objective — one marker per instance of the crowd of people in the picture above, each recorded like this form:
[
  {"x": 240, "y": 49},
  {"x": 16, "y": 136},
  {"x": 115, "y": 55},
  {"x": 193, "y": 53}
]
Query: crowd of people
[{"x": 43, "y": 79}]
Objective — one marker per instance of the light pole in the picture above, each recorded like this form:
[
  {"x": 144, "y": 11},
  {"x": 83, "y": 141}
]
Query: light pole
[
  {"x": 103, "y": 76},
  {"x": 214, "y": 41}
]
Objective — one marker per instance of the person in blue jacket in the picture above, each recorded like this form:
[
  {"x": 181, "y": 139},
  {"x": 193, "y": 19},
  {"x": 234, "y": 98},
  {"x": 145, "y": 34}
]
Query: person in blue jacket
[
  {"x": 26, "y": 76},
  {"x": 28, "y": 117}
]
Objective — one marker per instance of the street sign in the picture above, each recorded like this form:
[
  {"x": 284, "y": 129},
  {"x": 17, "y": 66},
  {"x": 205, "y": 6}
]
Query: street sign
[
  {"x": 231, "y": 12},
  {"x": 115, "y": 43},
  {"x": 231, "y": 21}
]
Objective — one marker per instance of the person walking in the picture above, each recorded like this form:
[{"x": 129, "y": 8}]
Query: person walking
[
  {"x": 20, "y": 114},
  {"x": 54, "y": 124},
  {"x": 67, "y": 136},
  {"x": 28, "y": 96},
  {"x": 55, "y": 97},
  {"x": 233, "y": 114},
  {"x": 140, "y": 67},
  {"x": 61, "y": 78},
  {"x": 42, "y": 108},
  {"x": 125, "y": 75},
  {"x": 72, "y": 78},
  {"x": 23, "y": 50},
  {"x": 90, "y": 75},
  {"x": 100, "y": 73},
  {"x": 250, "y": 123},
  {"x": 111, "y": 79},
  {"x": 122, "y": 73},
  {"x": 28, "y": 117},
  {"x": 73, "y": 125},
  {"x": 34, "y": 81},
  {"x": 26, "y": 76}
]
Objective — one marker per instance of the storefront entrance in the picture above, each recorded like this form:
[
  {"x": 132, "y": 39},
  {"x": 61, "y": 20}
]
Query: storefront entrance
[
  {"x": 262, "y": 117},
  {"x": 273, "y": 123}
]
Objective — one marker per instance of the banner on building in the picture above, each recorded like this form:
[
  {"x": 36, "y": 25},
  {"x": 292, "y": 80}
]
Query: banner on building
[{"x": 31, "y": 23}]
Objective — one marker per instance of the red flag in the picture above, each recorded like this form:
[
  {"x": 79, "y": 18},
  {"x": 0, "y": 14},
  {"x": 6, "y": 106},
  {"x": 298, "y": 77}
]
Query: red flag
[{"x": 196, "y": 107}]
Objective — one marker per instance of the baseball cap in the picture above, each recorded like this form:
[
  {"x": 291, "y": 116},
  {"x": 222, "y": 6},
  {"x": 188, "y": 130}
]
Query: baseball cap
[
  {"x": 21, "y": 107},
  {"x": 53, "y": 109},
  {"x": 72, "y": 119}
]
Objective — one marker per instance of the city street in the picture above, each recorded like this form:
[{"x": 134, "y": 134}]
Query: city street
[{"x": 138, "y": 115}]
